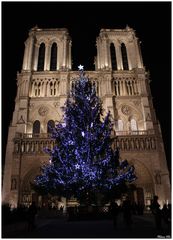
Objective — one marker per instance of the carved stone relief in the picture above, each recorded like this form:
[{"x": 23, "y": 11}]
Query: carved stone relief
[
  {"x": 31, "y": 105},
  {"x": 43, "y": 111},
  {"x": 126, "y": 110},
  {"x": 56, "y": 104}
]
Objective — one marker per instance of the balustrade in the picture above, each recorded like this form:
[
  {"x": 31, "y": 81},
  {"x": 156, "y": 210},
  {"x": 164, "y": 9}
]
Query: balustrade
[
  {"x": 32, "y": 143},
  {"x": 136, "y": 143}
]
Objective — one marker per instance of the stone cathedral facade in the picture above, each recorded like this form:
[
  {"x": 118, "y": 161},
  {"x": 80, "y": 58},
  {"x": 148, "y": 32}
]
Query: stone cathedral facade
[{"x": 123, "y": 85}]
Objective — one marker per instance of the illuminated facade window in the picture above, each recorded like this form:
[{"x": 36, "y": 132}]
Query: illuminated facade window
[
  {"x": 124, "y": 57},
  {"x": 53, "y": 60},
  {"x": 36, "y": 127},
  {"x": 41, "y": 57},
  {"x": 120, "y": 125},
  {"x": 50, "y": 125},
  {"x": 133, "y": 125},
  {"x": 113, "y": 57}
]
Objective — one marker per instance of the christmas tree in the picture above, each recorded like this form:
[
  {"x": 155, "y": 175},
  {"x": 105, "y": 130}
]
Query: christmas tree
[{"x": 82, "y": 162}]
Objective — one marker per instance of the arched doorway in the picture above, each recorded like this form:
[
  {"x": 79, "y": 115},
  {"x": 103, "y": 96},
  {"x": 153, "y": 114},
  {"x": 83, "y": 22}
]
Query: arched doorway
[
  {"x": 27, "y": 192},
  {"x": 142, "y": 189}
]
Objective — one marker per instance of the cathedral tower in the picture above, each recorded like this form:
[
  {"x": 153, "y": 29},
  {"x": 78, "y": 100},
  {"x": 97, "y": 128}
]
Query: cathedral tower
[{"x": 123, "y": 85}]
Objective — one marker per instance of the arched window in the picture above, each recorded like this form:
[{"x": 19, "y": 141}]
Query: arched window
[
  {"x": 124, "y": 57},
  {"x": 133, "y": 125},
  {"x": 50, "y": 125},
  {"x": 36, "y": 127},
  {"x": 120, "y": 125},
  {"x": 53, "y": 60},
  {"x": 41, "y": 56},
  {"x": 113, "y": 57}
]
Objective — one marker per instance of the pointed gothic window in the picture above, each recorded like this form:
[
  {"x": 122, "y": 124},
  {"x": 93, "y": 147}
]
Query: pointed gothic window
[
  {"x": 120, "y": 125},
  {"x": 124, "y": 57},
  {"x": 133, "y": 125},
  {"x": 50, "y": 125},
  {"x": 41, "y": 56},
  {"x": 113, "y": 57},
  {"x": 53, "y": 60},
  {"x": 36, "y": 127}
]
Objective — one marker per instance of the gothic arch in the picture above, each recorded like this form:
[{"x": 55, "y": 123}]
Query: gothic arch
[
  {"x": 36, "y": 127},
  {"x": 50, "y": 125},
  {"x": 130, "y": 111},
  {"x": 144, "y": 176},
  {"x": 29, "y": 178},
  {"x": 54, "y": 40},
  {"x": 133, "y": 124},
  {"x": 124, "y": 57},
  {"x": 120, "y": 125},
  {"x": 41, "y": 57},
  {"x": 53, "y": 58},
  {"x": 113, "y": 56}
]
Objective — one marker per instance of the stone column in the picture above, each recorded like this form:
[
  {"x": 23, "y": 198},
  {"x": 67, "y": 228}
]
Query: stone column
[
  {"x": 24, "y": 67},
  {"x": 121, "y": 88},
  {"x": 47, "y": 57},
  {"x": 128, "y": 56},
  {"x": 98, "y": 58},
  {"x": 27, "y": 60},
  {"x": 64, "y": 52},
  {"x": 30, "y": 52},
  {"x": 118, "y": 56},
  {"x": 60, "y": 55},
  {"x": 105, "y": 53},
  {"x": 33, "y": 89},
  {"x": 69, "y": 54},
  {"x": 35, "y": 60},
  {"x": 138, "y": 53}
]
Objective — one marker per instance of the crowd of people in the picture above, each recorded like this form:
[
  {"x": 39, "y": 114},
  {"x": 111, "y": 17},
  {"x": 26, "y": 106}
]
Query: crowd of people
[
  {"x": 128, "y": 209},
  {"x": 162, "y": 216}
]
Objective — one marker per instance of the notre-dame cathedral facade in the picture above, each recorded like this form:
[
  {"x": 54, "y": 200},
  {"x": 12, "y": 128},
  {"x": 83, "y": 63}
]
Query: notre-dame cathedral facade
[{"x": 123, "y": 85}]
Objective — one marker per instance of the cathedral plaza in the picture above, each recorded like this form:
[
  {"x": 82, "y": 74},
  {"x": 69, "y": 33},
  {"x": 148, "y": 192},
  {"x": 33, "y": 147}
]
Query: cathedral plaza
[{"x": 60, "y": 227}]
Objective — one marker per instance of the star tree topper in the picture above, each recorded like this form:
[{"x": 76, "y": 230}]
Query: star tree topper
[{"x": 80, "y": 67}]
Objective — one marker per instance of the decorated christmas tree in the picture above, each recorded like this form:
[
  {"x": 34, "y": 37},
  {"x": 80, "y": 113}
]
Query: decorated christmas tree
[{"x": 82, "y": 162}]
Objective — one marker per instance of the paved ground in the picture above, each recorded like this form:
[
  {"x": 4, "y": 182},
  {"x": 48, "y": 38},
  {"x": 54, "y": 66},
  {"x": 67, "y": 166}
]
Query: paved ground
[{"x": 142, "y": 227}]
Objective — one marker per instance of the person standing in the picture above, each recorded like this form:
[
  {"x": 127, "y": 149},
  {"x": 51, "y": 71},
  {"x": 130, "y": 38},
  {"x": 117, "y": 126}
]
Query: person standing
[
  {"x": 127, "y": 212},
  {"x": 32, "y": 211},
  {"x": 114, "y": 212},
  {"x": 156, "y": 211}
]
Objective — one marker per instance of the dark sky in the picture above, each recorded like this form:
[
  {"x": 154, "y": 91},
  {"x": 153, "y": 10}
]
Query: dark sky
[{"x": 151, "y": 20}]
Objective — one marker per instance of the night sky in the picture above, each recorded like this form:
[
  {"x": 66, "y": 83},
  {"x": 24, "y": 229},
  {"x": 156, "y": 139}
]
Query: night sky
[{"x": 84, "y": 20}]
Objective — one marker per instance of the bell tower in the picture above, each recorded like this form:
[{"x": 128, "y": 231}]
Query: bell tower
[
  {"x": 125, "y": 92},
  {"x": 41, "y": 92},
  {"x": 47, "y": 50},
  {"x": 119, "y": 55}
]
